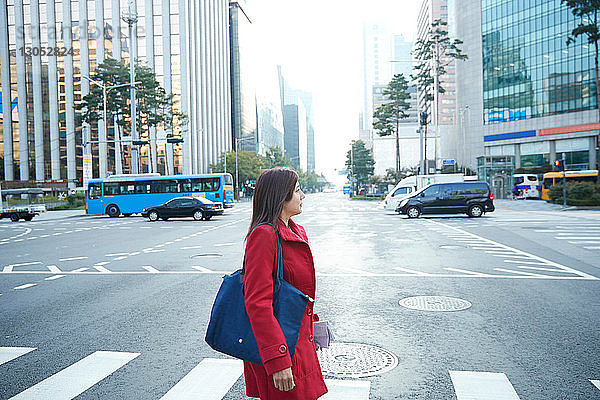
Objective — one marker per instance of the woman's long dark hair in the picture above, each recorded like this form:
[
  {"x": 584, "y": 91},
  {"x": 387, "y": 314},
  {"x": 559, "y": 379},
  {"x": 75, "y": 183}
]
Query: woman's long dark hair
[{"x": 273, "y": 187}]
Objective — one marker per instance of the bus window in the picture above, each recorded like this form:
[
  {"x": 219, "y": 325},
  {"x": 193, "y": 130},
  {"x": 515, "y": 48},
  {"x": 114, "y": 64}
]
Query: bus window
[
  {"x": 212, "y": 184},
  {"x": 519, "y": 180},
  {"x": 127, "y": 188},
  {"x": 165, "y": 186},
  {"x": 228, "y": 180},
  {"x": 111, "y": 188},
  {"x": 196, "y": 185},
  {"x": 142, "y": 187},
  {"x": 95, "y": 190},
  {"x": 532, "y": 178},
  {"x": 548, "y": 182},
  {"x": 186, "y": 185},
  {"x": 401, "y": 191}
]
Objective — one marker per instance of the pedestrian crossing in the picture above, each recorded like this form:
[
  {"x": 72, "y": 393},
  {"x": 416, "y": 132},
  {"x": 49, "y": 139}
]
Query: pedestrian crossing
[{"x": 213, "y": 378}]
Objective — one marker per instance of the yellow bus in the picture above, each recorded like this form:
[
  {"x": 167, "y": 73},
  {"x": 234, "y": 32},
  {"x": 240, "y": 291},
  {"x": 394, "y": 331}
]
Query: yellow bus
[{"x": 555, "y": 178}]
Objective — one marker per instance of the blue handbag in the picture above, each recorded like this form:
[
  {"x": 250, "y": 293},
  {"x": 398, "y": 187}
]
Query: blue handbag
[{"x": 229, "y": 330}]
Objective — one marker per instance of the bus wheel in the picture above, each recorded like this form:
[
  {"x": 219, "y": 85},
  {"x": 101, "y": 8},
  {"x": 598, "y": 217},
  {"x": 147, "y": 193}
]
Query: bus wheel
[
  {"x": 113, "y": 211},
  {"x": 14, "y": 217},
  {"x": 198, "y": 215}
]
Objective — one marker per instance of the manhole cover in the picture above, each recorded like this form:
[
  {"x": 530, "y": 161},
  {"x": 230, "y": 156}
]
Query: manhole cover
[
  {"x": 207, "y": 255},
  {"x": 435, "y": 303},
  {"x": 355, "y": 360}
]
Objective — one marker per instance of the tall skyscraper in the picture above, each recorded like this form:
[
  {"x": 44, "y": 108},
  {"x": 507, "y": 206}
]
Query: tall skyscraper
[
  {"x": 185, "y": 43},
  {"x": 524, "y": 95}
]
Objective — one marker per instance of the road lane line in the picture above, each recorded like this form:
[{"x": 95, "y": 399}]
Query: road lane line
[
  {"x": 135, "y": 253},
  {"x": 10, "y": 353},
  {"x": 191, "y": 247},
  {"x": 470, "y": 385},
  {"x": 577, "y": 237},
  {"x": 119, "y": 258},
  {"x": 80, "y": 269},
  {"x": 73, "y": 258},
  {"x": 154, "y": 251},
  {"x": 102, "y": 263},
  {"x": 347, "y": 390},
  {"x": 511, "y": 255},
  {"x": 51, "y": 278},
  {"x": 211, "y": 379},
  {"x": 100, "y": 268},
  {"x": 53, "y": 268},
  {"x": 591, "y": 247},
  {"x": 411, "y": 271},
  {"x": 464, "y": 271},
  {"x": 116, "y": 254},
  {"x": 79, "y": 377},
  {"x": 223, "y": 244},
  {"x": 524, "y": 254},
  {"x": 595, "y": 383},
  {"x": 150, "y": 269},
  {"x": 526, "y": 262},
  {"x": 202, "y": 269},
  {"x": 27, "y": 285},
  {"x": 519, "y": 272}
]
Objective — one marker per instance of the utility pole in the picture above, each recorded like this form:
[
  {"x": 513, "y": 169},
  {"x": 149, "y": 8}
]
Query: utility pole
[
  {"x": 131, "y": 19},
  {"x": 564, "y": 171}
]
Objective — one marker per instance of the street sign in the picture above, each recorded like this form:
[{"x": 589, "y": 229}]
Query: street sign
[
  {"x": 87, "y": 169},
  {"x": 448, "y": 161}
]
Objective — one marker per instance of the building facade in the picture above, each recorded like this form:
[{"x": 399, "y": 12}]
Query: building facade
[
  {"x": 185, "y": 43},
  {"x": 525, "y": 95}
]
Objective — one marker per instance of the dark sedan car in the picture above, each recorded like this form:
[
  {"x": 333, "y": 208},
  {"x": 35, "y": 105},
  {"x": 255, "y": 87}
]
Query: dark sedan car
[{"x": 198, "y": 208}]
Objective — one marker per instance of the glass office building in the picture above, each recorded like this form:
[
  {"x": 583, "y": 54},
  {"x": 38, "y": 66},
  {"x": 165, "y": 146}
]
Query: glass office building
[
  {"x": 186, "y": 44},
  {"x": 533, "y": 97}
]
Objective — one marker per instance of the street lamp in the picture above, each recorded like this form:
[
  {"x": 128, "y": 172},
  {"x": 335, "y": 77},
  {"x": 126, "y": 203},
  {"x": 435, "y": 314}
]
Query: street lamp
[{"x": 237, "y": 145}]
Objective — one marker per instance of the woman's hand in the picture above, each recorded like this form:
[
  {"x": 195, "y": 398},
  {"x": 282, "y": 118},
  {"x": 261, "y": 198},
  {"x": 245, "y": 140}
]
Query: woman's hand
[{"x": 284, "y": 380}]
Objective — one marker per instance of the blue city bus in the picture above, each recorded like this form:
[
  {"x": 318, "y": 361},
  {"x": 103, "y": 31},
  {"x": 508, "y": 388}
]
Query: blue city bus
[{"x": 130, "y": 194}]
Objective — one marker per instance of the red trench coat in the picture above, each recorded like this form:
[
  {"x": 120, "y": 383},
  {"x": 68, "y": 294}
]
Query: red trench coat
[{"x": 299, "y": 270}]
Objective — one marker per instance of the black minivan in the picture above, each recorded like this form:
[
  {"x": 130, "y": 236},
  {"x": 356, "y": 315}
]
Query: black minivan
[{"x": 472, "y": 198}]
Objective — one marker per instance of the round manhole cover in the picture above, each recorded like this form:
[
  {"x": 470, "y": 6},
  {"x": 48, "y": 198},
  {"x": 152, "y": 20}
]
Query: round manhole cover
[
  {"x": 435, "y": 303},
  {"x": 355, "y": 360}
]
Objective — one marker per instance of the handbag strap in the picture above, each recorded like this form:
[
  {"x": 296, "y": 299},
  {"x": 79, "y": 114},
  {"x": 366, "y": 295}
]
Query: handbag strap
[{"x": 279, "y": 256}]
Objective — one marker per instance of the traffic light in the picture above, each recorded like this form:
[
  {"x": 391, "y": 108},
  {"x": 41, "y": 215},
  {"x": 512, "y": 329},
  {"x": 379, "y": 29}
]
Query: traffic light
[
  {"x": 140, "y": 142},
  {"x": 423, "y": 117},
  {"x": 559, "y": 164},
  {"x": 174, "y": 140}
]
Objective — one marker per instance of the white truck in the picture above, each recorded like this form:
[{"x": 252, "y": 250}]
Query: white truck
[
  {"x": 22, "y": 212},
  {"x": 410, "y": 184}
]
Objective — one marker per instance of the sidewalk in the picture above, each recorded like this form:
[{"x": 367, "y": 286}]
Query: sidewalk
[
  {"x": 536, "y": 205},
  {"x": 61, "y": 214}
]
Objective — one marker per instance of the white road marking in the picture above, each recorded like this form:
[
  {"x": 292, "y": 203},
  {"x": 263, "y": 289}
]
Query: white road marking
[
  {"x": 519, "y": 272},
  {"x": 73, "y": 258},
  {"x": 80, "y": 269},
  {"x": 9, "y": 268},
  {"x": 577, "y": 237},
  {"x": 147, "y": 248},
  {"x": 585, "y": 241},
  {"x": 150, "y": 269},
  {"x": 202, "y": 269},
  {"x": 347, "y": 390},
  {"x": 411, "y": 271},
  {"x": 169, "y": 242},
  {"x": 592, "y": 247},
  {"x": 135, "y": 253},
  {"x": 10, "y": 353},
  {"x": 223, "y": 244},
  {"x": 539, "y": 268},
  {"x": 154, "y": 251},
  {"x": 191, "y": 247},
  {"x": 522, "y": 254},
  {"x": 115, "y": 254},
  {"x": 102, "y": 263},
  {"x": 470, "y": 385},
  {"x": 209, "y": 380},
  {"x": 53, "y": 268},
  {"x": 464, "y": 271},
  {"x": 525, "y": 262},
  {"x": 595, "y": 383},
  {"x": 120, "y": 258},
  {"x": 101, "y": 268},
  {"x": 51, "y": 278},
  {"x": 27, "y": 285},
  {"x": 44, "y": 236},
  {"x": 79, "y": 377}
]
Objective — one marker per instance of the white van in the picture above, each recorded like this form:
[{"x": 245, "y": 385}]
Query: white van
[{"x": 402, "y": 189}]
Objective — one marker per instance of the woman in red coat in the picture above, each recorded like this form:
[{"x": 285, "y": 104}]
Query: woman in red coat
[{"x": 277, "y": 197}]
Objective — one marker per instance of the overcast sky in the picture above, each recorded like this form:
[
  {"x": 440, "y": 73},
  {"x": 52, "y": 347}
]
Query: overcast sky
[{"x": 319, "y": 45}]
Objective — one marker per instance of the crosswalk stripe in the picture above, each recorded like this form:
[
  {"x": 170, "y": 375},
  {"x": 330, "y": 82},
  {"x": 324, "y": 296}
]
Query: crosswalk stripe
[
  {"x": 10, "y": 353},
  {"x": 209, "y": 380},
  {"x": 471, "y": 385},
  {"x": 595, "y": 383},
  {"x": 77, "y": 378},
  {"x": 347, "y": 390}
]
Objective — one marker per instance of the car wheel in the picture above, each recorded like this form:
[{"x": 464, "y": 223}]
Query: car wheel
[
  {"x": 165, "y": 218},
  {"x": 153, "y": 215},
  {"x": 14, "y": 217},
  {"x": 198, "y": 215},
  {"x": 113, "y": 211},
  {"x": 413, "y": 212},
  {"x": 208, "y": 217},
  {"x": 475, "y": 211}
]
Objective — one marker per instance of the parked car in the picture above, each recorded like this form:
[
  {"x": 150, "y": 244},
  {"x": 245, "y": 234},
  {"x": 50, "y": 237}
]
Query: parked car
[
  {"x": 198, "y": 208},
  {"x": 472, "y": 198}
]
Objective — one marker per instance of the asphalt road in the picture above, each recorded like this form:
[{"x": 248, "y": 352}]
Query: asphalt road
[{"x": 93, "y": 307}]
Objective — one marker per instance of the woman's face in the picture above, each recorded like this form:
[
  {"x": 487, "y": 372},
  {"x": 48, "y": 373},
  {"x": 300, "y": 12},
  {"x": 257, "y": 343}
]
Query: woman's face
[{"x": 294, "y": 205}]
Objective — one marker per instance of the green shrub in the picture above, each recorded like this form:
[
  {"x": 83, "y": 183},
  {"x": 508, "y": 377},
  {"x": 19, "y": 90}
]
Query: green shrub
[{"x": 578, "y": 194}]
